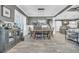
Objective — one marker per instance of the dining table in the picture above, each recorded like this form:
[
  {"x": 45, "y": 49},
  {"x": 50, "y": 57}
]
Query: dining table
[{"x": 46, "y": 30}]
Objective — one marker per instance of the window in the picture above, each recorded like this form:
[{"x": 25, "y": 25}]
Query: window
[{"x": 20, "y": 21}]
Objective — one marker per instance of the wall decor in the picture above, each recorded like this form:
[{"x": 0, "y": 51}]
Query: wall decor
[{"x": 5, "y": 12}]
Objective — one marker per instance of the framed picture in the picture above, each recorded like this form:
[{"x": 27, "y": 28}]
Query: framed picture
[{"x": 5, "y": 12}]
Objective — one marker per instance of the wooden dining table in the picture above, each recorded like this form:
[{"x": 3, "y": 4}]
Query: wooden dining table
[{"x": 42, "y": 30}]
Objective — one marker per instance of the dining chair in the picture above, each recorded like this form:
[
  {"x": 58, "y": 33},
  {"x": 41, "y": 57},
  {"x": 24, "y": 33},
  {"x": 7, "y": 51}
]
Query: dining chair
[
  {"x": 30, "y": 33},
  {"x": 38, "y": 35},
  {"x": 52, "y": 30}
]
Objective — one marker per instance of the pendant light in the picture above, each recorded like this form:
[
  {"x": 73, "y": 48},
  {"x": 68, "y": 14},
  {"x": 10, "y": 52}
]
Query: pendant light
[{"x": 40, "y": 13}]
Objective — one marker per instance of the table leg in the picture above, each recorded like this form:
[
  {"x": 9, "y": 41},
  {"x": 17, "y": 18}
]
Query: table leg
[
  {"x": 77, "y": 37},
  {"x": 49, "y": 35},
  {"x": 33, "y": 35}
]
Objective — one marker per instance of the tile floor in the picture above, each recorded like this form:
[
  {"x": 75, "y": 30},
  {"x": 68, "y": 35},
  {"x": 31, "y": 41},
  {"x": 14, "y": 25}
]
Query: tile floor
[{"x": 58, "y": 44}]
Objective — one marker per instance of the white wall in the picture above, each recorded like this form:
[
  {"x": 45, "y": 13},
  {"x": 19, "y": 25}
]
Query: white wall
[
  {"x": 73, "y": 24},
  {"x": 53, "y": 25},
  {"x": 58, "y": 24}
]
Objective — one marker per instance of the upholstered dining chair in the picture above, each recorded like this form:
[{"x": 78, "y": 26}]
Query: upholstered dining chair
[
  {"x": 30, "y": 33},
  {"x": 52, "y": 30}
]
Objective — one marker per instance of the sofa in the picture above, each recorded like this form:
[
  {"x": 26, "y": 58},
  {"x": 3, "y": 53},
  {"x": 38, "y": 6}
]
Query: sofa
[{"x": 72, "y": 34}]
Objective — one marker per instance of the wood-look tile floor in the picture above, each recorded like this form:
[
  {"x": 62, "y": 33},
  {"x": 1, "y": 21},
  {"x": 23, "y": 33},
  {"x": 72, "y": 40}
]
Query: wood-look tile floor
[{"x": 58, "y": 44}]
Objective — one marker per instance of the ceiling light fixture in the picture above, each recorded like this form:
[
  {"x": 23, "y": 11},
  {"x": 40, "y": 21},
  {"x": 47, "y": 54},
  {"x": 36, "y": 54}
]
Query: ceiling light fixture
[{"x": 41, "y": 9}]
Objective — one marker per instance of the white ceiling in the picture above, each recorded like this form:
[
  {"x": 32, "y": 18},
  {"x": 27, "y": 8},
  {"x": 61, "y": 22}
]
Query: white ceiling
[
  {"x": 69, "y": 14},
  {"x": 50, "y": 10}
]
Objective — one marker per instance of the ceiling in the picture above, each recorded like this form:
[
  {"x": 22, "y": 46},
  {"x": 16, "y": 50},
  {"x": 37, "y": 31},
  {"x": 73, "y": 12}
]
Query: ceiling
[
  {"x": 50, "y": 10},
  {"x": 72, "y": 14}
]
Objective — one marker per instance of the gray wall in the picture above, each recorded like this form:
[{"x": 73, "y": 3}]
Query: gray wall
[
  {"x": 33, "y": 19},
  {"x": 12, "y": 9}
]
